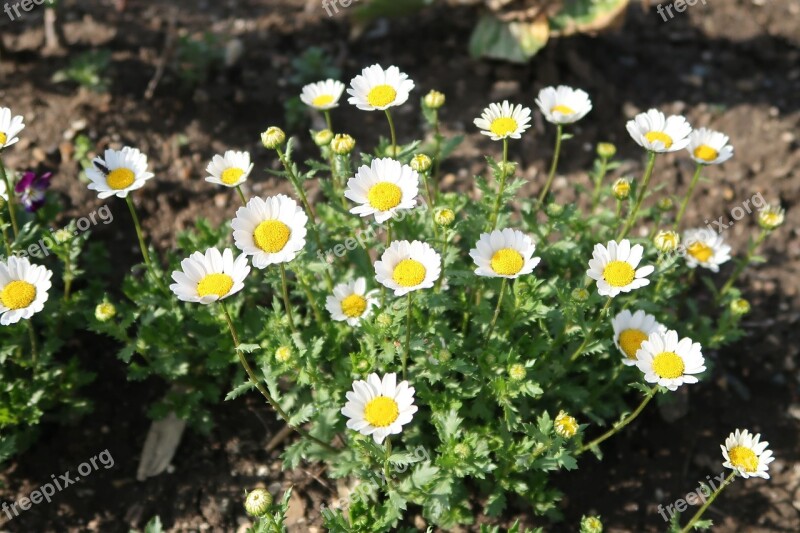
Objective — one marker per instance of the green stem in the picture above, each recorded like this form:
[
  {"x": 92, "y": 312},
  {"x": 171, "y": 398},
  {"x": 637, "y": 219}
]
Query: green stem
[
  {"x": 263, "y": 390},
  {"x": 386, "y": 465},
  {"x": 553, "y": 165},
  {"x": 709, "y": 501},
  {"x": 328, "y": 120},
  {"x": 430, "y": 203},
  {"x": 5, "y": 235},
  {"x": 409, "y": 302},
  {"x": 648, "y": 173},
  {"x": 499, "y": 199},
  {"x": 391, "y": 129},
  {"x": 32, "y": 337},
  {"x": 11, "y": 200},
  {"x": 67, "y": 275},
  {"x": 437, "y": 153},
  {"x": 145, "y": 254},
  {"x": 497, "y": 309},
  {"x": 445, "y": 238},
  {"x": 689, "y": 192},
  {"x": 618, "y": 426},
  {"x": 287, "y": 304},
  {"x": 742, "y": 264},
  {"x": 592, "y": 331},
  {"x": 388, "y": 232},
  {"x": 241, "y": 194},
  {"x": 311, "y": 300},
  {"x": 598, "y": 182}
]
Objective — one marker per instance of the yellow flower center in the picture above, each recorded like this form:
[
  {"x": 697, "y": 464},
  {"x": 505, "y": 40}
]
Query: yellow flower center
[
  {"x": 408, "y": 273},
  {"x": 384, "y": 196},
  {"x": 3, "y": 138},
  {"x": 700, "y": 251},
  {"x": 654, "y": 136},
  {"x": 668, "y": 365},
  {"x": 705, "y": 152},
  {"x": 507, "y": 262},
  {"x": 219, "y": 284},
  {"x": 381, "y": 412},
  {"x": 120, "y": 178},
  {"x": 381, "y": 95},
  {"x": 231, "y": 175},
  {"x": 18, "y": 294},
  {"x": 566, "y": 425},
  {"x": 503, "y": 126},
  {"x": 354, "y": 305},
  {"x": 744, "y": 458},
  {"x": 619, "y": 273},
  {"x": 630, "y": 340},
  {"x": 322, "y": 100},
  {"x": 272, "y": 235},
  {"x": 564, "y": 110},
  {"x": 771, "y": 219}
]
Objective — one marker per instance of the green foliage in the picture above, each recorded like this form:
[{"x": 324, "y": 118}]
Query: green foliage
[
  {"x": 87, "y": 69},
  {"x": 197, "y": 56}
]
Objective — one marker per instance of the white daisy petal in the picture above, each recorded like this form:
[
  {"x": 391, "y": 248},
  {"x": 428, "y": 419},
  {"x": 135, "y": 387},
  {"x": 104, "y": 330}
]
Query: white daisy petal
[
  {"x": 663, "y": 359},
  {"x": 23, "y": 289},
  {"x": 374, "y": 407},
  {"x": 209, "y": 277}
]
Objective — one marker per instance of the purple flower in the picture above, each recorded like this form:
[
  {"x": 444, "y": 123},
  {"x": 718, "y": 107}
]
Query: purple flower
[{"x": 31, "y": 190}]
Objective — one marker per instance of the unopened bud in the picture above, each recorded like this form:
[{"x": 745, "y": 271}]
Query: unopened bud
[
  {"x": 342, "y": 144},
  {"x": 258, "y": 502},
  {"x": 273, "y": 138},
  {"x": 606, "y": 150},
  {"x": 622, "y": 188},
  {"x": 444, "y": 217},
  {"x": 323, "y": 137},
  {"x": 434, "y": 100},
  {"x": 421, "y": 163},
  {"x": 666, "y": 241},
  {"x": 771, "y": 217}
]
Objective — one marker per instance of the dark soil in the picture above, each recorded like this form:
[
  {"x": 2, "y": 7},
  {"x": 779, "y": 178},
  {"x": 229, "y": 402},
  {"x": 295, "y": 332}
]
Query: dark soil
[{"x": 733, "y": 65}]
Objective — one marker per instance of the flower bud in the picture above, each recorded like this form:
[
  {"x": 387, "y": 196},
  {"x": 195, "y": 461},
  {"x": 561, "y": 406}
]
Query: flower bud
[
  {"x": 665, "y": 204},
  {"x": 273, "y": 138},
  {"x": 434, "y": 100},
  {"x": 622, "y": 188},
  {"x": 62, "y": 235},
  {"x": 771, "y": 217},
  {"x": 384, "y": 321},
  {"x": 666, "y": 241},
  {"x": 323, "y": 137},
  {"x": 445, "y": 355},
  {"x": 591, "y": 524},
  {"x": 444, "y": 217},
  {"x": 509, "y": 168},
  {"x": 740, "y": 307},
  {"x": 461, "y": 450},
  {"x": 258, "y": 502},
  {"x": 580, "y": 294},
  {"x": 105, "y": 311},
  {"x": 517, "y": 372},
  {"x": 283, "y": 354},
  {"x": 342, "y": 144},
  {"x": 565, "y": 425},
  {"x": 421, "y": 163},
  {"x": 554, "y": 210},
  {"x": 606, "y": 150}
]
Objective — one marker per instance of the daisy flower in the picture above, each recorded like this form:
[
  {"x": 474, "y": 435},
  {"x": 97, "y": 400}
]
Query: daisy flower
[
  {"x": 501, "y": 121},
  {"x": 351, "y": 302},
  {"x": 376, "y": 89},
  {"x": 23, "y": 289},
  {"x": 630, "y": 330},
  {"x": 379, "y": 407},
  {"x": 383, "y": 188},
  {"x": 657, "y": 133},
  {"x": 614, "y": 268},
  {"x": 504, "y": 254},
  {"x": 670, "y": 362},
  {"x": 408, "y": 266},
  {"x": 709, "y": 147},
  {"x": 118, "y": 172},
  {"x": 322, "y": 95},
  {"x": 563, "y": 105},
  {"x": 9, "y": 127},
  {"x": 229, "y": 170},
  {"x": 705, "y": 248},
  {"x": 209, "y": 277},
  {"x": 744, "y": 453},
  {"x": 271, "y": 230}
]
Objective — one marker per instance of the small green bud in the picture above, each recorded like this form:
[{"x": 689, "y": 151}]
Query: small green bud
[
  {"x": 771, "y": 217},
  {"x": 444, "y": 217},
  {"x": 591, "y": 524},
  {"x": 621, "y": 188},
  {"x": 606, "y": 150},
  {"x": 740, "y": 307},
  {"x": 510, "y": 168},
  {"x": 323, "y": 137},
  {"x": 462, "y": 450},
  {"x": 273, "y": 138},
  {"x": 283, "y": 354},
  {"x": 105, "y": 311},
  {"x": 258, "y": 502},
  {"x": 665, "y": 204},
  {"x": 384, "y": 321},
  {"x": 445, "y": 355},
  {"x": 666, "y": 241},
  {"x": 62, "y": 235},
  {"x": 554, "y": 210},
  {"x": 517, "y": 372},
  {"x": 434, "y": 100},
  {"x": 580, "y": 294},
  {"x": 342, "y": 144},
  {"x": 421, "y": 163}
]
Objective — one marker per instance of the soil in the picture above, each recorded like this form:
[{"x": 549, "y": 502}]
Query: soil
[{"x": 733, "y": 65}]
